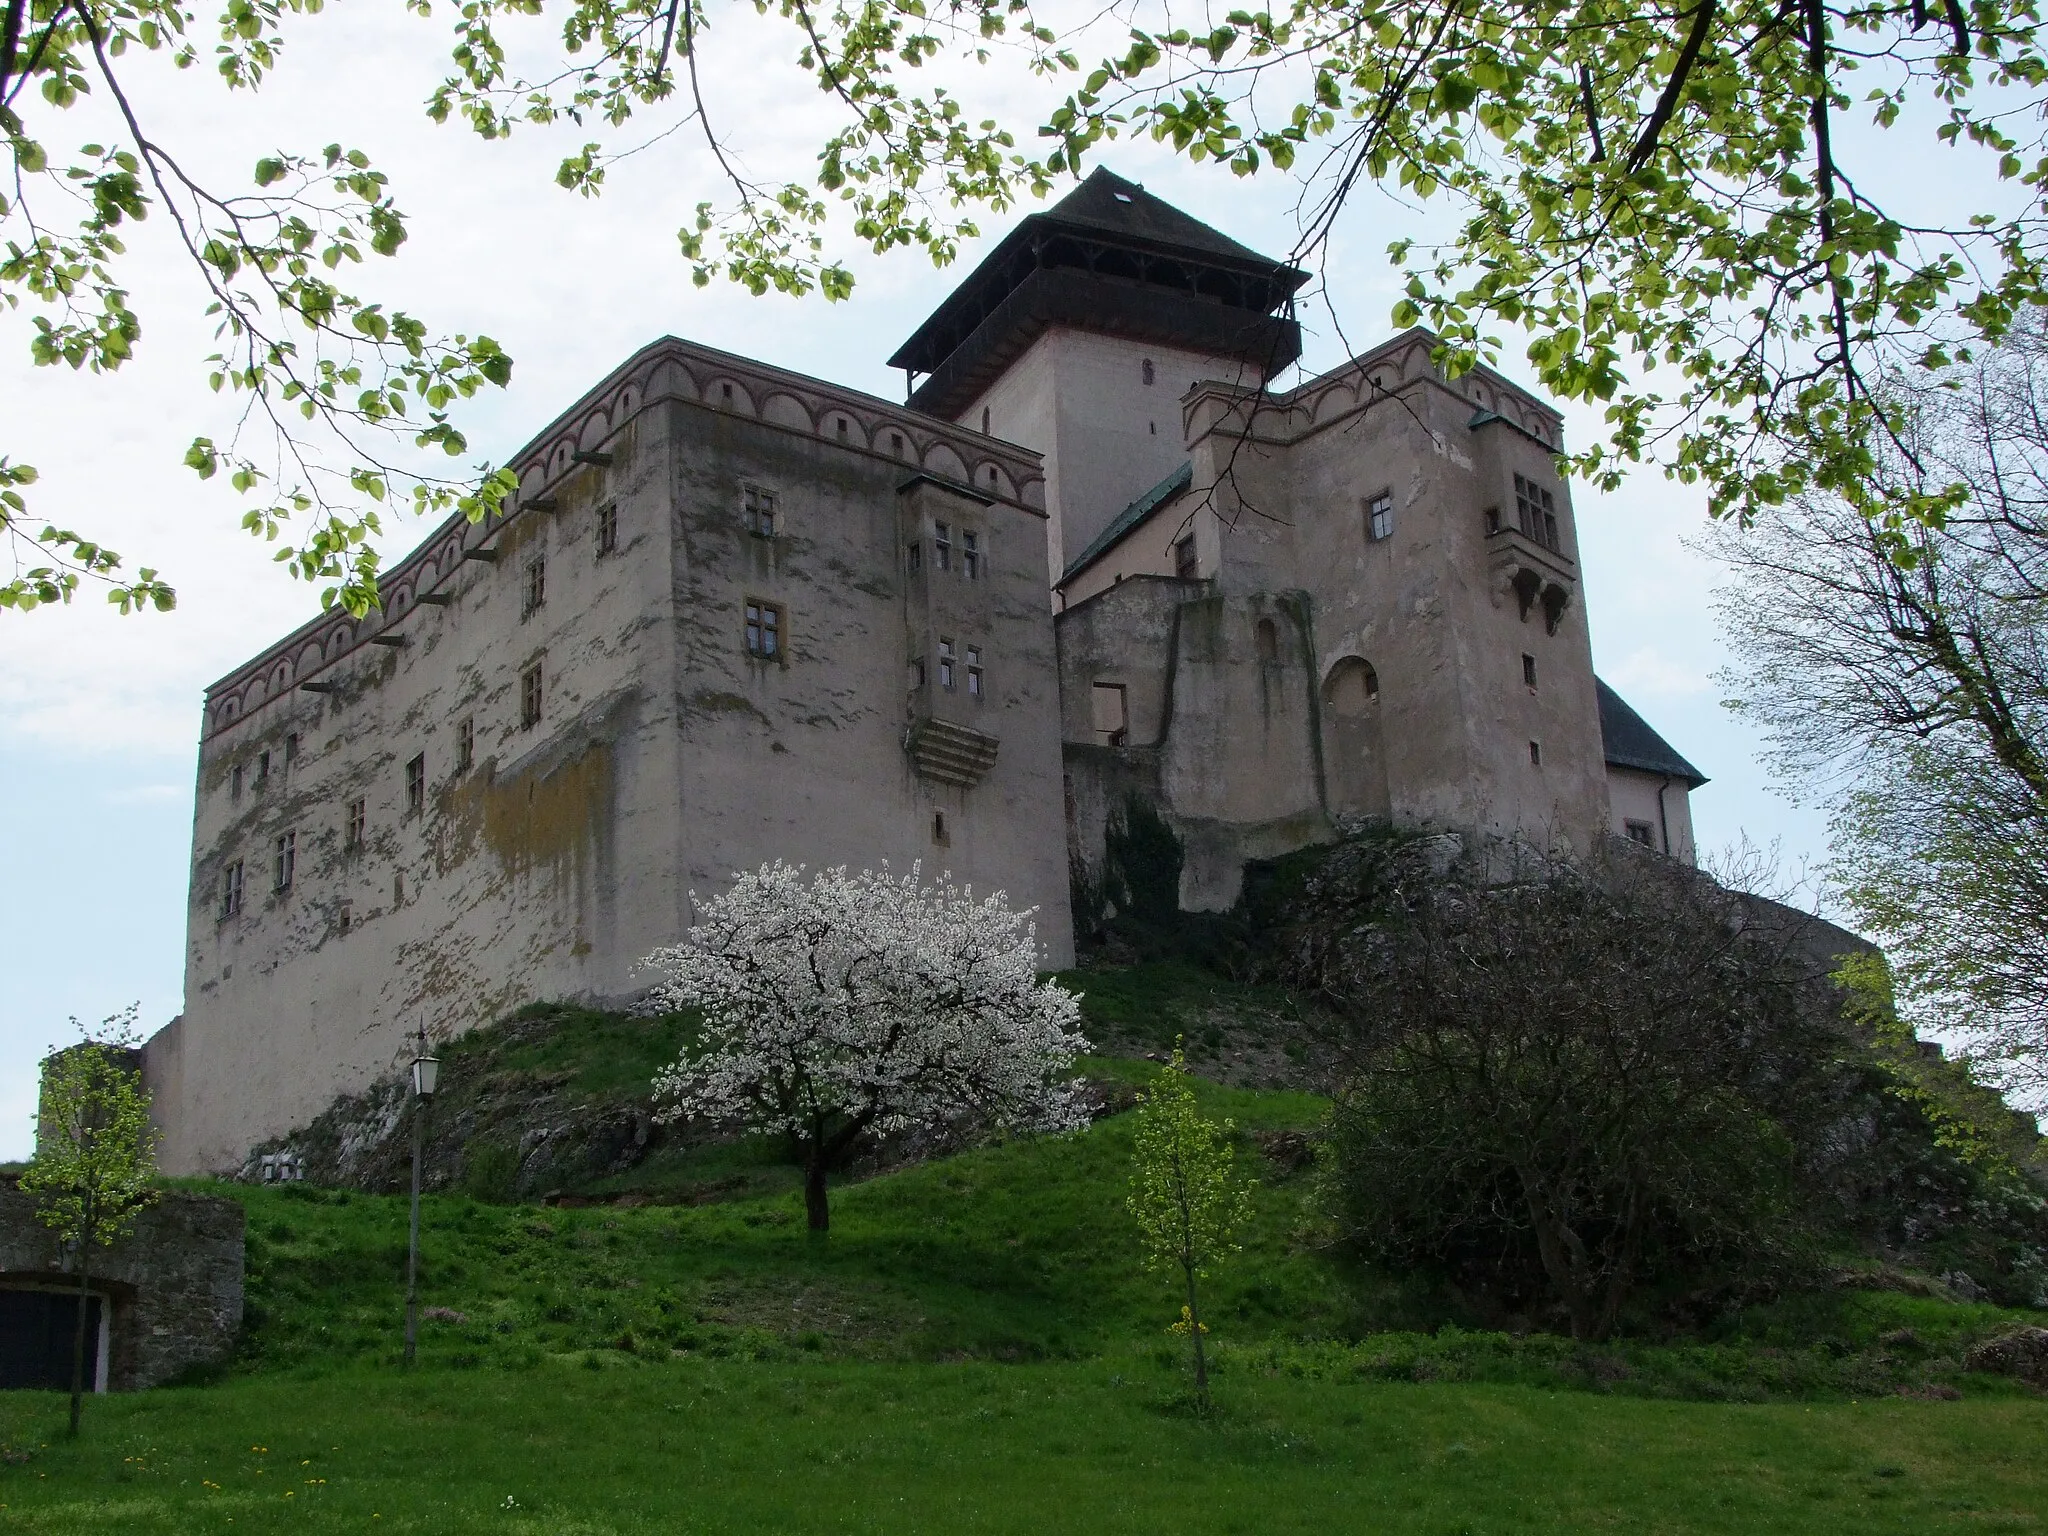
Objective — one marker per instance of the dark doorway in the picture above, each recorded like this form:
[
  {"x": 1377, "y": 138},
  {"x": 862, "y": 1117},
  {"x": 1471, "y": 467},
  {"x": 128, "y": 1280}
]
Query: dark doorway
[{"x": 37, "y": 1329}]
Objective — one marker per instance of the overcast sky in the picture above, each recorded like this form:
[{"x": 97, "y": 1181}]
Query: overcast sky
[{"x": 99, "y": 715}]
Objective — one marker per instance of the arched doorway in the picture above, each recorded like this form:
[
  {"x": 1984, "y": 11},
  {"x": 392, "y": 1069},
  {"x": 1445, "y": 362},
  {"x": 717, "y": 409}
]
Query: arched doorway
[{"x": 1354, "y": 746}]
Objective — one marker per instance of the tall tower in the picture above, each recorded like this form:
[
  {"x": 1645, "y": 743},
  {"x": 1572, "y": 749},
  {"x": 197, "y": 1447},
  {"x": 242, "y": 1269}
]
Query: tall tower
[{"x": 1079, "y": 334}]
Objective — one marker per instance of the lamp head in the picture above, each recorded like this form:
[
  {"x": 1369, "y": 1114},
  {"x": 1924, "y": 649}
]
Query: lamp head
[{"x": 426, "y": 1072}]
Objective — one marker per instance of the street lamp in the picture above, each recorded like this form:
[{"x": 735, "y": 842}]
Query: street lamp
[{"x": 426, "y": 1072}]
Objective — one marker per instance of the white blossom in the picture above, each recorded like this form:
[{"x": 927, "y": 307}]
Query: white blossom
[{"x": 841, "y": 1006}]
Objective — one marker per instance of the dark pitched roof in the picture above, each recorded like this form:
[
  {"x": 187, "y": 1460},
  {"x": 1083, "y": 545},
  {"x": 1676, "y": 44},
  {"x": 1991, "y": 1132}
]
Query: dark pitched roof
[
  {"x": 1108, "y": 203},
  {"x": 1128, "y": 519},
  {"x": 1630, "y": 743}
]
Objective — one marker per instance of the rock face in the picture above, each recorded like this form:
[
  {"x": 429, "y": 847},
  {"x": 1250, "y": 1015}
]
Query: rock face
[
  {"x": 2022, "y": 1354},
  {"x": 174, "y": 1285}
]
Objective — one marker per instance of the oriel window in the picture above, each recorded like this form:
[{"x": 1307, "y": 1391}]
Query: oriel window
[
  {"x": 974, "y": 671},
  {"x": 946, "y": 659},
  {"x": 1536, "y": 512},
  {"x": 764, "y": 630},
  {"x": 942, "y": 546},
  {"x": 970, "y": 553}
]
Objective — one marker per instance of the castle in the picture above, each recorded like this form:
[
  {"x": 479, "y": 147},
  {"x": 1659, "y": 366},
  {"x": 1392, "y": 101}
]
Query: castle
[{"x": 734, "y": 614}]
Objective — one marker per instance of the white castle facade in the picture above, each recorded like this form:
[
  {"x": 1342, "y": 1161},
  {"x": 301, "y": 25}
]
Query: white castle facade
[{"x": 734, "y": 614}]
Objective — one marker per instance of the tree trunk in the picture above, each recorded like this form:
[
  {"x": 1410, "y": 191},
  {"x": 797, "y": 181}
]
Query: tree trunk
[
  {"x": 816, "y": 1206},
  {"x": 78, "y": 1343},
  {"x": 1195, "y": 1333}
]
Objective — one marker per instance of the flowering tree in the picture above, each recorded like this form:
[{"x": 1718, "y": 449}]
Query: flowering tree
[
  {"x": 840, "y": 1007},
  {"x": 1185, "y": 1193},
  {"x": 95, "y": 1156}
]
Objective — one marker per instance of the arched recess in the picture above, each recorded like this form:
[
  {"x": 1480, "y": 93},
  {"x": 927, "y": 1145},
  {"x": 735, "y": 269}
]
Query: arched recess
[{"x": 1354, "y": 740}]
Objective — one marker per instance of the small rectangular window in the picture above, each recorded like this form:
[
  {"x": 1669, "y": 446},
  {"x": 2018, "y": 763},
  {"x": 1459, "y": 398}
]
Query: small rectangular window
[
  {"x": 285, "y": 861},
  {"x": 607, "y": 528},
  {"x": 1184, "y": 565},
  {"x": 291, "y": 747},
  {"x": 942, "y": 547},
  {"x": 358, "y": 821},
  {"x": 465, "y": 744},
  {"x": 896, "y": 444},
  {"x": 1529, "y": 671},
  {"x": 529, "y": 697},
  {"x": 914, "y": 554},
  {"x": 536, "y": 585},
  {"x": 970, "y": 553},
  {"x": 939, "y": 834},
  {"x": 1640, "y": 832},
  {"x": 1535, "y": 754},
  {"x": 1493, "y": 519},
  {"x": 945, "y": 664},
  {"x": 262, "y": 769},
  {"x": 345, "y": 920},
  {"x": 764, "y": 630},
  {"x": 231, "y": 889},
  {"x": 974, "y": 671},
  {"x": 235, "y": 783},
  {"x": 760, "y": 512},
  {"x": 917, "y": 672},
  {"x": 1108, "y": 713},
  {"x": 1379, "y": 517},
  {"x": 416, "y": 785}
]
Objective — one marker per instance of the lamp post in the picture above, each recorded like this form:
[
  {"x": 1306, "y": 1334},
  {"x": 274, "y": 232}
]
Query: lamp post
[{"x": 426, "y": 1071}]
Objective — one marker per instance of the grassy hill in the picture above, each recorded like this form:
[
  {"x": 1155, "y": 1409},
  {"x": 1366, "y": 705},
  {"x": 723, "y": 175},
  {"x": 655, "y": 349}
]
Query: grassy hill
[{"x": 976, "y": 1347}]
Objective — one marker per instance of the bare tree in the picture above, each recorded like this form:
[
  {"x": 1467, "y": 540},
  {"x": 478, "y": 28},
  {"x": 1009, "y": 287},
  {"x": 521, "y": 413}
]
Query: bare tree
[{"x": 1900, "y": 676}]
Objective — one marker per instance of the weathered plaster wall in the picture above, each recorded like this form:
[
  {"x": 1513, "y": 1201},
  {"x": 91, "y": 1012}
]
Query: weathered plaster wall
[
  {"x": 664, "y": 759},
  {"x": 173, "y": 1287},
  {"x": 1632, "y": 796},
  {"x": 1108, "y": 437}
]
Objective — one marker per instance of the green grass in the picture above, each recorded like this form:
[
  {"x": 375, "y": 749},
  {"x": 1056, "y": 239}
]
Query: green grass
[
  {"x": 976, "y": 1347},
  {"x": 709, "y": 1446}
]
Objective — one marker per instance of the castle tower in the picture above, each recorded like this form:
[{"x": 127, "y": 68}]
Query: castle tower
[{"x": 1081, "y": 331}]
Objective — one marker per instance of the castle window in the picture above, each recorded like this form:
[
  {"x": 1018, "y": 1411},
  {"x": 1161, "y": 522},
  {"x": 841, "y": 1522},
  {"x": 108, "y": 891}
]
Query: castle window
[
  {"x": 529, "y": 697},
  {"x": 917, "y": 672},
  {"x": 1184, "y": 565},
  {"x": 974, "y": 671},
  {"x": 1493, "y": 519},
  {"x": 760, "y": 512},
  {"x": 358, "y": 821},
  {"x": 607, "y": 528},
  {"x": 291, "y": 747},
  {"x": 1640, "y": 832},
  {"x": 725, "y": 393},
  {"x": 465, "y": 744},
  {"x": 1529, "y": 671},
  {"x": 1535, "y": 754},
  {"x": 1146, "y": 372},
  {"x": 284, "y": 861},
  {"x": 942, "y": 547},
  {"x": 984, "y": 421},
  {"x": 262, "y": 769},
  {"x": 536, "y": 585},
  {"x": 914, "y": 554},
  {"x": 1109, "y": 713},
  {"x": 235, "y": 783},
  {"x": 939, "y": 834},
  {"x": 1268, "y": 639},
  {"x": 896, "y": 444},
  {"x": 416, "y": 785},
  {"x": 842, "y": 429},
  {"x": 347, "y": 916},
  {"x": 1379, "y": 516},
  {"x": 764, "y": 630},
  {"x": 970, "y": 552},
  {"x": 946, "y": 664},
  {"x": 1536, "y": 511},
  {"x": 231, "y": 890}
]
